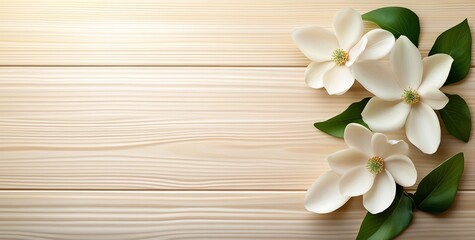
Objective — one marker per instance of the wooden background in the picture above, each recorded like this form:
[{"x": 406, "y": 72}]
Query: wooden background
[{"x": 184, "y": 119}]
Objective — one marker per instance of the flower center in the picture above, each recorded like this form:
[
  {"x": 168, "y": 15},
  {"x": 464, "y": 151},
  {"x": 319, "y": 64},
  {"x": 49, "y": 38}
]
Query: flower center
[
  {"x": 375, "y": 164},
  {"x": 340, "y": 57},
  {"x": 410, "y": 96}
]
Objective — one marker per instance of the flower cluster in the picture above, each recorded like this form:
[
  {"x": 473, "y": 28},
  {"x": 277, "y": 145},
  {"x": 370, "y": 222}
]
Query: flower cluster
[
  {"x": 407, "y": 95},
  {"x": 406, "y": 89}
]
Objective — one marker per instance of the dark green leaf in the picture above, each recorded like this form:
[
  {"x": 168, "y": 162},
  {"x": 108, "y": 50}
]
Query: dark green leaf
[
  {"x": 457, "y": 42},
  {"x": 456, "y": 117},
  {"x": 397, "y": 20},
  {"x": 436, "y": 192},
  {"x": 391, "y": 222},
  {"x": 335, "y": 126}
]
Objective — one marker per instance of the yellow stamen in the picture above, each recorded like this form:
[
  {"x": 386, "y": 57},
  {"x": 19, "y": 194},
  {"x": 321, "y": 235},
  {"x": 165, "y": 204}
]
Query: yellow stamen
[
  {"x": 375, "y": 164},
  {"x": 410, "y": 96},
  {"x": 340, "y": 57}
]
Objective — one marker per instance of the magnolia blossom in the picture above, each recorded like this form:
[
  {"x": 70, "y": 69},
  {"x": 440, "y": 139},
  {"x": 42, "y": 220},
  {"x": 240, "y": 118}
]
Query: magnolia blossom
[
  {"x": 371, "y": 166},
  {"x": 333, "y": 54},
  {"x": 406, "y": 93}
]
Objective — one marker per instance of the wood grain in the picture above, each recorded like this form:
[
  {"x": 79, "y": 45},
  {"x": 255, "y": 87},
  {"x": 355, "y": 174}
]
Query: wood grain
[
  {"x": 176, "y": 128},
  {"x": 185, "y": 32},
  {"x": 201, "y": 215}
]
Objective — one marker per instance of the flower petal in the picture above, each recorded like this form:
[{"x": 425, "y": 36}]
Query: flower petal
[
  {"x": 383, "y": 147},
  {"x": 380, "y": 43},
  {"x": 436, "y": 71},
  {"x": 358, "y": 137},
  {"x": 423, "y": 129},
  {"x": 379, "y": 79},
  {"x": 356, "y": 182},
  {"x": 381, "y": 195},
  {"x": 344, "y": 160},
  {"x": 316, "y": 43},
  {"x": 434, "y": 98},
  {"x": 406, "y": 61},
  {"x": 338, "y": 80},
  {"x": 348, "y": 26},
  {"x": 324, "y": 194},
  {"x": 402, "y": 169},
  {"x": 383, "y": 116},
  {"x": 315, "y": 71},
  {"x": 356, "y": 51}
]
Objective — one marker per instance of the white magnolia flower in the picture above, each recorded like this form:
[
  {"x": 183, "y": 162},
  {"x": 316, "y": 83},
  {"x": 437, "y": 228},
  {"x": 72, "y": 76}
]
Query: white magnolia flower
[
  {"x": 333, "y": 54},
  {"x": 407, "y": 93},
  {"x": 369, "y": 167}
]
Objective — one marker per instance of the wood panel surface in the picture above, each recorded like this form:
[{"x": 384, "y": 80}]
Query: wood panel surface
[
  {"x": 175, "y": 128},
  {"x": 184, "y": 119},
  {"x": 185, "y": 32},
  {"x": 201, "y": 215}
]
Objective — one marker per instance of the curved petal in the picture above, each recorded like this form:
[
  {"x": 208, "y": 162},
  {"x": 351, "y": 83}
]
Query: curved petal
[
  {"x": 406, "y": 61},
  {"x": 314, "y": 73},
  {"x": 358, "y": 137},
  {"x": 348, "y": 26},
  {"x": 436, "y": 71},
  {"x": 356, "y": 182},
  {"x": 423, "y": 129},
  {"x": 356, "y": 51},
  {"x": 383, "y": 147},
  {"x": 379, "y": 79},
  {"x": 381, "y": 195},
  {"x": 383, "y": 116},
  {"x": 315, "y": 43},
  {"x": 344, "y": 160},
  {"x": 338, "y": 80},
  {"x": 324, "y": 194},
  {"x": 380, "y": 43},
  {"x": 433, "y": 97},
  {"x": 402, "y": 169}
]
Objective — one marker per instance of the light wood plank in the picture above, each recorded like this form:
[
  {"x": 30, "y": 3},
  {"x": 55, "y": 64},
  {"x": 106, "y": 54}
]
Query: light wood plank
[
  {"x": 175, "y": 128},
  {"x": 201, "y": 215},
  {"x": 185, "y": 32}
]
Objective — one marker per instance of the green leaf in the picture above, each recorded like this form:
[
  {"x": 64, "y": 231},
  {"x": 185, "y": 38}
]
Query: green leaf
[
  {"x": 436, "y": 192},
  {"x": 456, "y": 117},
  {"x": 397, "y": 20},
  {"x": 335, "y": 126},
  {"x": 391, "y": 222},
  {"x": 457, "y": 42}
]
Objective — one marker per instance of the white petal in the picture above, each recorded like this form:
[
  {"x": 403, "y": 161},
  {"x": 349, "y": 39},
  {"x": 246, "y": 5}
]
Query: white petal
[
  {"x": 402, "y": 169},
  {"x": 380, "y": 43},
  {"x": 383, "y": 116},
  {"x": 356, "y": 182},
  {"x": 381, "y": 195},
  {"x": 324, "y": 194},
  {"x": 344, "y": 160},
  {"x": 358, "y": 137},
  {"x": 356, "y": 51},
  {"x": 423, "y": 129},
  {"x": 316, "y": 43},
  {"x": 378, "y": 78},
  {"x": 383, "y": 147},
  {"x": 315, "y": 71},
  {"x": 434, "y": 98},
  {"x": 348, "y": 27},
  {"x": 406, "y": 61},
  {"x": 338, "y": 80},
  {"x": 436, "y": 70}
]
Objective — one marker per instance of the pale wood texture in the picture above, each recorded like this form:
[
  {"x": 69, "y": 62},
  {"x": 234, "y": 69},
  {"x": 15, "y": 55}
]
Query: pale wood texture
[
  {"x": 201, "y": 215},
  {"x": 185, "y": 119},
  {"x": 185, "y": 32},
  {"x": 175, "y": 128}
]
